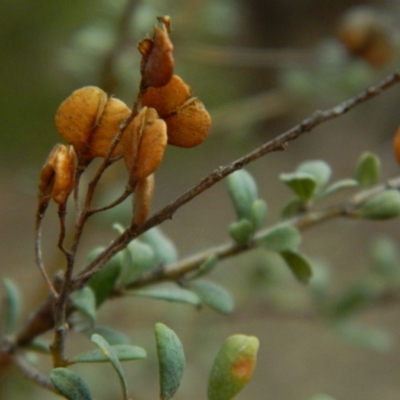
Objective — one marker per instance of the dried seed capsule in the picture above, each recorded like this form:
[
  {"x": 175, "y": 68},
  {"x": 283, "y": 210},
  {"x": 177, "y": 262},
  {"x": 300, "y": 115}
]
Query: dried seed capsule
[
  {"x": 167, "y": 99},
  {"x": 144, "y": 191},
  {"x": 157, "y": 64},
  {"x": 145, "y": 144},
  {"x": 189, "y": 125},
  {"x": 57, "y": 177},
  {"x": 364, "y": 32},
  {"x": 88, "y": 120}
]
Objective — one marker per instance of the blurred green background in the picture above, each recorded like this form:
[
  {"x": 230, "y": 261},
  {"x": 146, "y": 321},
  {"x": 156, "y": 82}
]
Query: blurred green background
[{"x": 259, "y": 67}]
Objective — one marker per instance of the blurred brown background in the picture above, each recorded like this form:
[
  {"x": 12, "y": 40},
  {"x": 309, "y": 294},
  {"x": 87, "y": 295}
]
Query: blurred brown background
[{"x": 260, "y": 67}]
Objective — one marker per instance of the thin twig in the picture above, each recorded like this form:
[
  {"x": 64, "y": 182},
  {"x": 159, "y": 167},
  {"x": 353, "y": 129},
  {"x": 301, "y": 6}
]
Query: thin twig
[
  {"x": 38, "y": 249},
  {"x": 303, "y": 221},
  {"x": 278, "y": 143},
  {"x": 127, "y": 192},
  {"x": 32, "y": 373}
]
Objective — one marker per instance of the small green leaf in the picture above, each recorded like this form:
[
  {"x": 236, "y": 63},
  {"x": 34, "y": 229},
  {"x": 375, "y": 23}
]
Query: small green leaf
[
  {"x": 384, "y": 205},
  {"x": 168, "y": 293},
  {"x": 303, "y": 184},
  {"x": 298, "y": 264},
  {"x": 318, "y": 169},
  {"x": 171, "y": 360},
  {"x": 213, "y": 295},
  {"x": 368, "y": 169},
  {"x": 233, "y": 367},
  {"x": 85, "y": 301},
  {"x": 122, "y": 351},
  {"x": 243, "y": 191},
  {"x": 163, "y": 247},
  {"x": 337, "y": 186},
  {"x": 103, "y": 282},
  {"x": 138, "y": 258},
  {"x": 12, "y": 306},
  {"x": 281, "y": 238},
  {"x": 208, "y": 265},
  {"x": 108, "y": 351},
  {"x": 70, "y": 384},
  {"x": 112, "y": 336},
  {"x": 39, "y": 346},
  {"x": 241, "y": 231},
  {"x": 259, "y": 210},
  {"x": 292, "y": 208}
]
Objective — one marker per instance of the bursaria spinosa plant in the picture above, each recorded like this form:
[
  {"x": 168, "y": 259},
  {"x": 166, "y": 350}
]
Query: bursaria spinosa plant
[{"x": 142, "y": 261}]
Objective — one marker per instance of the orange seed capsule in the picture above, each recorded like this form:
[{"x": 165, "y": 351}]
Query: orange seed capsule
[
  {"x": 168, "y": 98},
  {"x": 145, "y": 144},
  {"x": 157, "y": 64},
  {"x": 88, "y": 120},
  {"x": 142, "y": 201},
  {"x": 189, "y": 125}
]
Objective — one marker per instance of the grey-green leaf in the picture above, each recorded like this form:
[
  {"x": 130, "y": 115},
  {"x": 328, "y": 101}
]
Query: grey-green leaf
[
  {"x": 208, "y": 265},
  {"x": 171, "y": 360},
  {"x": 213, "y": 295},
  {"x": 259, "y": 210},
  {"x": 292, "y": 207},
  {"x": 384, "y": 205},
  {"x": 70, "y": 384},
  {"x": 163, "y": 247},
  {"x": 103, "y": 282},
  {"x": 12, "y": 306},
  {"x": 168, "y": 293},
  {"x": 318, "y": 169},
  {"x": 303, "y": 184},
  {"x": 112, "y": 336},
  {"x": 139, "y": 257},
  {"x": 281, "y": 238},
  {"x": 339, "y": 185},
  {"x": 108, "y": 351},
  {"x": 243, "y": 192},
  {"x": 368, "y": 169},
  {"x": 122, "y": 351},
  {"x": 85, "y": 301},
  {"x": 298, "y": 264},
  {"x": 241, "y": 231}
]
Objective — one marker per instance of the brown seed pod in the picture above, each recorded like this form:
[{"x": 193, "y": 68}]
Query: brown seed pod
[
  {"x": 88, "y": 120},
  {"x": 364, "y": 32},
  {"x": 189, "y": 125},
  {"x": 142, "y": 201},
  {"x": 167, "y": 99},
  {"x": 145, "y": 144},
  {"x": 56, "y": 180},
  {"x": 157, "y": 64}
]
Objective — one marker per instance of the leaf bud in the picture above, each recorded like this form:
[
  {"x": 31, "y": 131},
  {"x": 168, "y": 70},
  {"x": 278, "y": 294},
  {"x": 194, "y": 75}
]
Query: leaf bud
[
  {"x": 146, "y": 139},
  {"x": 89, "y": 121},
  {"x": 157, "y": 65}
]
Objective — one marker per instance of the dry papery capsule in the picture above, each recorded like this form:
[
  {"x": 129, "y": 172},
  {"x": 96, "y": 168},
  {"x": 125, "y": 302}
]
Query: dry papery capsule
[
  {"x": 146, "y": 139},
  {"x": 396, "y": 144},
  {"x": 189, "y": 125},
  {"x": 366, "y": 33},
  {"x": 157, "y": 64},
  {"x": 167, "y": 99},
  {"x": 57, "y": 175},
  {"x": 144, "y": 191},
  {"x": 89, "y": 121}
]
